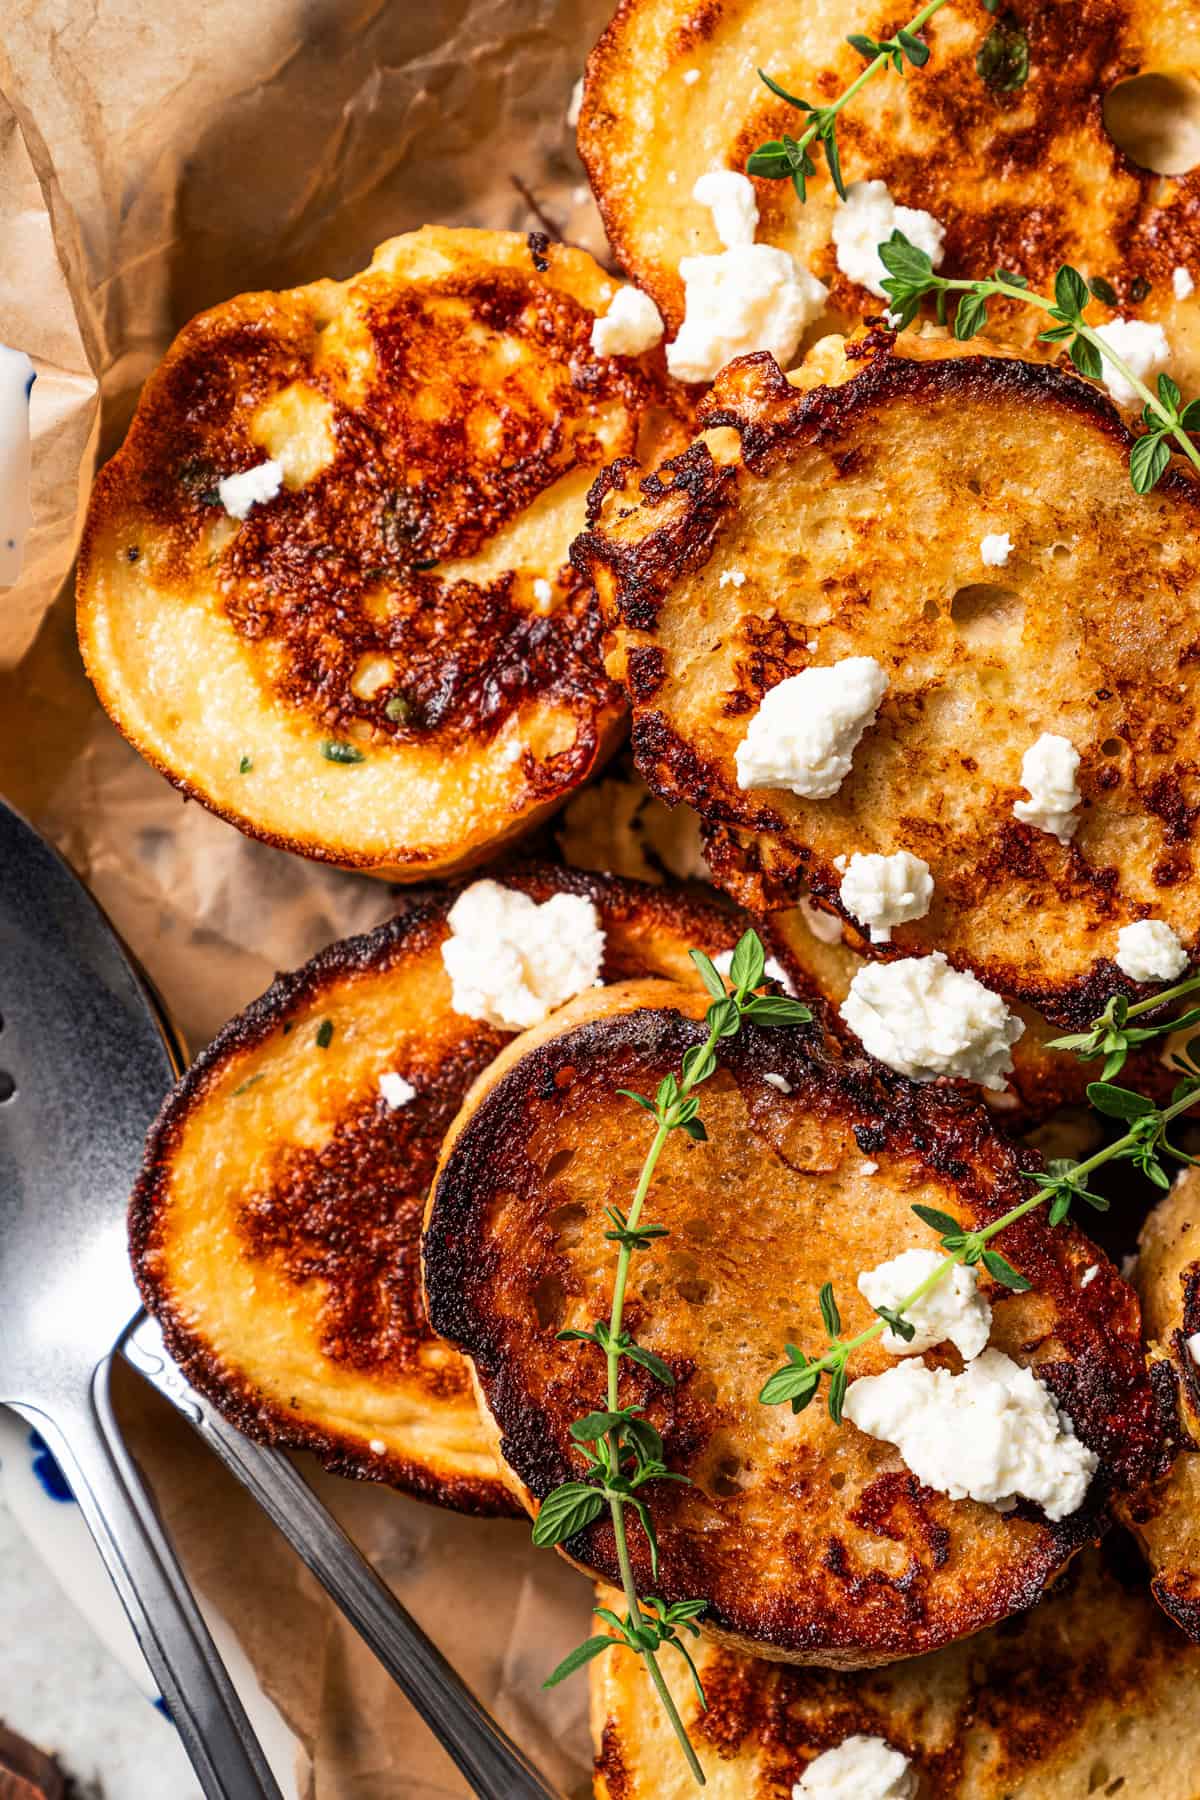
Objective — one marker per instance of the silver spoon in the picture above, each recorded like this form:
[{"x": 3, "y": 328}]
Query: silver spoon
[
  {"x": 491, "y": 1763},
  {"x": 80, "y": 1079}
]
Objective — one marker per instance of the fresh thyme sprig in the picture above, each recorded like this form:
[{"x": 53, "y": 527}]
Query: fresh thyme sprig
[
  {"x": 1059, "y": 1186},
  {"x": 622, "y": 1450},
  {"x": 790, "y": 159},
  {"x": 1112, "y": 1036},
  {"x": 911, "y": 277}
]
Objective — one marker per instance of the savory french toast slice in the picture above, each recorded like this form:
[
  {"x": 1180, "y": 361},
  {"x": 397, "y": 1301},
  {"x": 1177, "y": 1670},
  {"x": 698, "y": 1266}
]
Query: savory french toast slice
[
  {"x": 1166, "y": 1517},
  {"x": 324, "y": 584},
  {"x": 1090, "y": 1693},
  {"x": 834, "y": 535},
  {"x": 275, "y": 1226},
  {"x": 809, "y": 1541},
  {"x": 1003, "y": 138}
]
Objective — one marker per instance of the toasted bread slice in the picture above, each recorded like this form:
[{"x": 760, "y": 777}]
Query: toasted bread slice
[
  {"x": 855, "y": 514},
  {"x": 809, "y": 1541},
  {"x": 1092, "y": 1692},
  {"x": 388, "y": 665},
  {"x": 1166, "y": 1517},
  {"x": 1024, "y": 180},
  {"x": 275, "y": 1225}
]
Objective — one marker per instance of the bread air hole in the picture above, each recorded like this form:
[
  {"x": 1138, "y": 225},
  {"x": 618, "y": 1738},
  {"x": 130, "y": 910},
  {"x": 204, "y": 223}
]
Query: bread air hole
[
  {"x": 985, "y": 616},
  {"x": 1155, "y": 120}
]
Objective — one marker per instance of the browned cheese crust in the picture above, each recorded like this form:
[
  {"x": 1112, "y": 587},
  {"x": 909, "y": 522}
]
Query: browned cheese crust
[
  {"x": 1024, "y": 179},
  {"x": 1091, "y": 1693},
  {"x": 1166, "y": 1517},
  {"x": 274, "y": 1229},
  {"x": 855, "y": 512},
  {"x": 810, "y": 1542},
  {"x": 438, "y": 418}
]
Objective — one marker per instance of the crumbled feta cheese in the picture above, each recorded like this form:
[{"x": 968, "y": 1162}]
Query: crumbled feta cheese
[
  {"x": 753, "y": 297},
  {"x": 731, "y": 200},
  {"x": 991, "y": 1434},
  {"x": 826, "y": 927},
  {"x": 806, "y": 731},
  {"x": 1048, "y": 772},
  {"x": 575, "y": 105},
  {"x": 691, "y": 77},
  {"x": 1149, "y": 951},
  {"x": 811, "y": 644},
  {"x": 868, "y": 1168},
  {"x": 543, "y": 593},
  {"x": 861, "y": 1768},
  {"x": 777, "y": 1081},
  {"x": 1143, "y": 347},
  {"x": 882, "y": 891},
  {"x": 377, "y": 1447},
  {"x": 631, "y": 325},
  {"x": 1193, "y": 1345},
  {"x": 867, "y": 218},
  {"x": 1181, "y": 281},
  {"x": 732, "y": 578},
  {"x": 395, "y": 1090},
  {"x": 511, "y": 961},
  {"x": 251, "y": 488},
  {"x": 925, "y": 1019},
  {"x": 953, "y": 1312},
  {"x": 773, "y": 970},
  {"x": 1089, "y": 1275},
  {"x": 995, "y": 548}
]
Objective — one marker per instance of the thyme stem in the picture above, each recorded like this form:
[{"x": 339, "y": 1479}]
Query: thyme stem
[{"x": 866, "y": 74}]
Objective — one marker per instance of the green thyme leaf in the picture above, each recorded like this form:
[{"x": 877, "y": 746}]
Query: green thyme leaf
[
  {"x": 336, "y": 752},
  {"x": 569, "y": 1509},
  {"x": 709, "y": 974},
  {"x": 324, "y": 1034},
  {"x": 937, "y": 1221},
  {"x": 638, "y": 1099},
  {"x": 1002, "y": 1269},
  {"x": 830, "y": 1315},
  {"x": 581, "y": 1654},
  {"x": 1102, "y": 290},
  {"x": 972, "y": 316},
  {"x": 1002, "y": 61},
  {"x": 1147, "y": 465},
  {"x": 1086, "y": 357},
  {"x": 838, "y": 1381},
  {"x": 398, "y": 709},
  {"x": 245, "y": 766},
  {"x": 776, "y": 1009},
  {"x": 646, "y": 1359},
  {"x": 1118, "y": 1102},
  {"x": 791, "y": 1383},
  {"x": 1070, "y": 291},
  {"x": 749, "y": 960},
  {"x": 904, "y": 1328},
  {"x": 781, "y": 93}
]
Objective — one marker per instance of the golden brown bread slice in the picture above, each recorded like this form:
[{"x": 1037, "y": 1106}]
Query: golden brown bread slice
[
  {"x": 1091, "y": 1693},
  {"x": 810, "y": 1541},
  {"x": 274, "y": 1229},
  {"x": 1024, "y": 179},
  {"x": 389, "y": 664},
  {"x": 1166, "y": 1517},
  {"x": 855, "y": 514}
]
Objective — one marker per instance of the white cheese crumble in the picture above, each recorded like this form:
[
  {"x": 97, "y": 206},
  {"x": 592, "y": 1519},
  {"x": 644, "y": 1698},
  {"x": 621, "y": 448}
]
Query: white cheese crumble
[
  {"x": 777, "y": 1081},
  {"x": 1193, "y": 1346},
  {"x": 631, "y": 325},
  {"x": 991, "y": 1434},
  {"x": 1143, "y": 347},
  {"x": 735, "y": 578},
  {"x": 395, "y": 1090},
  {"x": 690, "y": 77},
  {"x": 753, "y": 297},
  {"x": 1181, "y": 281},
  {"x": 806, "y": 731},
  {"x": 1148, "y": 950},
  {"x": 861, "y": 1768},
  {"x": 953, "y": 1312},
  {"x": 1048, "y": 772},
  {"x": 511, "y": 961},
  {"x": 868, "y": 1168},
  {"x": 251, "y": 488},
  {"x": 543, "y": 593},
  {"x": 575, "y": 105},
  {"x": 882, "y": 891},
  {"x": 1089, "y": 1275},
  {"x": 773, "y": 970},
  {"x": 731, "y": 200},
  {"x": 865, "y": 219},
  {"x": 995, "y": 548},
  {"x": 826, "y": 927},
  {"x": 377, "y": 1447},
  {"x": 925, "y": 1019}
]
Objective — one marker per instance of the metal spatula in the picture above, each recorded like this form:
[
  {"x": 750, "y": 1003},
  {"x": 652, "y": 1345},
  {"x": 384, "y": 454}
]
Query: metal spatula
[{"x": 83, "y": 1051}]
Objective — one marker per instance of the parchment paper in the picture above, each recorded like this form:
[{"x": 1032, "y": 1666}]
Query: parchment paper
[{"x": 155, "y": 160}]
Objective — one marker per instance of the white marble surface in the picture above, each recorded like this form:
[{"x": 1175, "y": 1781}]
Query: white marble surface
[{"x": 64, "y": 1691}]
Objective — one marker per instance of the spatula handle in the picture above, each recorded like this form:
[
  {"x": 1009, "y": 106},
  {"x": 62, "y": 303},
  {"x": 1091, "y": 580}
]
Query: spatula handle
[
  {"x": 183, "y": 1659},
  {"x": 490, "y": 1761}
]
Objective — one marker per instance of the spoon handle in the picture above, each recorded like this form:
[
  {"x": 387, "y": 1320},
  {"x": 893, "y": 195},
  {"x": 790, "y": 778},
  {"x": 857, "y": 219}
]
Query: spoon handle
[
  {"x": 491, "y": 1762},
  {"x": 183, "y": 1659}
]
